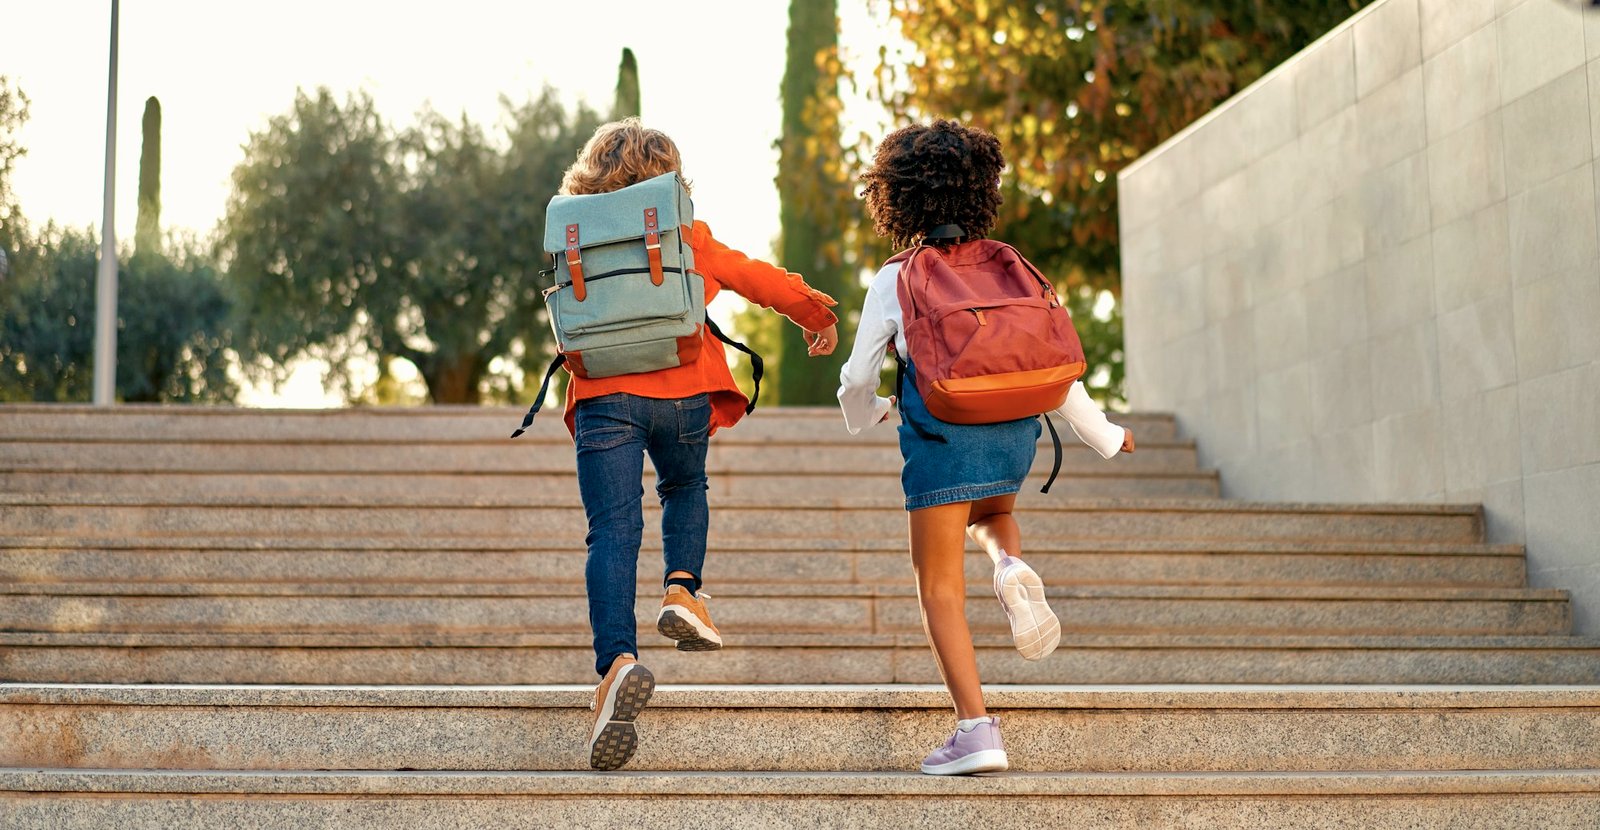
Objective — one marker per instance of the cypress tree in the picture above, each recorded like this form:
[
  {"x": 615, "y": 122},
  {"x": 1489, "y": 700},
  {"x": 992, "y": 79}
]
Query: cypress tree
[
  {"x": 147, "y": 228},
  {"x": 815, "y": 196},
  {"x": 627, "y": 102}
]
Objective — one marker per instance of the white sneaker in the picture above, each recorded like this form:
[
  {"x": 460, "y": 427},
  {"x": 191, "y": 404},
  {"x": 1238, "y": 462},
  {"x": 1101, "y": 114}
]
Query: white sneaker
[{"x": 1034, "y": 627}]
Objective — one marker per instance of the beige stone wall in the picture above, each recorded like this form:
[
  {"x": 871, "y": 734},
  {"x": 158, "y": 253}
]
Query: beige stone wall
[{"x": 1375, "y": 274}]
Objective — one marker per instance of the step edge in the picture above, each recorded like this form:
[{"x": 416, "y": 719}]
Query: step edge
[
  {"x": 368, "y": 784},
  {"x": 442, "y": 590},
  {"x": 1299, "y": 697},
  {"x": 1513, "y": 644}
]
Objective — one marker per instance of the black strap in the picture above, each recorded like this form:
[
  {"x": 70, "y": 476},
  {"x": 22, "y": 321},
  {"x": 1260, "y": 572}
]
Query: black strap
[
  {"x": 1056, "y": 468},
  {"x": 757, "y": 369},
  {"x": 951, "y": 232},
  {"x": 899, "y": 379},
  {"x": 527, "y": 420},
  {"x": 757, "y": 366}
]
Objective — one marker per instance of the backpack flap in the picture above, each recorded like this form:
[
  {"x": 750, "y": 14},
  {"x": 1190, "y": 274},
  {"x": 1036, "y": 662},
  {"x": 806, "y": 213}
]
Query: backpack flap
[
  {"x": 626, "y": 298},
  {"x": 603, "y": 218}
]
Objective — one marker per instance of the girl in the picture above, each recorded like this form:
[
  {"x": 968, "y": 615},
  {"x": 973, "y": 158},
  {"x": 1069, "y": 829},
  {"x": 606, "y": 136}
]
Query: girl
[
  {"x": 957, "y": 478},
  {"x": 669, "y": 414}
]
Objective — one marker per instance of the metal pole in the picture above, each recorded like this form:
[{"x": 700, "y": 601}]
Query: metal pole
[{"x": 105, "y": 306}]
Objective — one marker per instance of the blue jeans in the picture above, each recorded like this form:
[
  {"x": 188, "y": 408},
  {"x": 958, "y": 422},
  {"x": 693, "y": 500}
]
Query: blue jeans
[{"x": 613, "y": 434}]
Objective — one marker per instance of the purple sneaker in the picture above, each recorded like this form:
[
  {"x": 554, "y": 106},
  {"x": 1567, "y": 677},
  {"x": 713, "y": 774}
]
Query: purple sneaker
[
  {"x": 1034, "y": 627},
  {"x": 978, "y": 750}
]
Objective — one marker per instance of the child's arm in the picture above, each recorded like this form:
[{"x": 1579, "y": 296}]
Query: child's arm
[
  {"x": 858, "y": 379},
  {"x": 763, "y": 283},
  {"x": 1091, "y": 425}
]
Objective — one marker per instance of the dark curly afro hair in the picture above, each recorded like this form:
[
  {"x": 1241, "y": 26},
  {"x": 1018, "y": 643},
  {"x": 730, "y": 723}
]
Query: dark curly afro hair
[{"x": 925, "y": 176}]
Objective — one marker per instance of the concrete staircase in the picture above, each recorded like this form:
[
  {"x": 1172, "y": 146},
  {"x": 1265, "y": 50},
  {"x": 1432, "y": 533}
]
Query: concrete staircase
[{"x": 386, "y": 609}]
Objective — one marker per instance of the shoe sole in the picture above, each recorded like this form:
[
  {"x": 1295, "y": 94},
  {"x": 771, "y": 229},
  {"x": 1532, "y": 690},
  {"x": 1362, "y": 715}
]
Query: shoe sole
[
  {"x": 1034, "y": 627},
  {"x": 985, "y": 760},
  {"x": 616, "y": 742},
  {"x": 683, "y": 628}
]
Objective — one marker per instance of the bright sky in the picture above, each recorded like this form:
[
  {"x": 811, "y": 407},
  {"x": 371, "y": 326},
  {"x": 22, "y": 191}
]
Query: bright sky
[{"x": 221, "y": 68}]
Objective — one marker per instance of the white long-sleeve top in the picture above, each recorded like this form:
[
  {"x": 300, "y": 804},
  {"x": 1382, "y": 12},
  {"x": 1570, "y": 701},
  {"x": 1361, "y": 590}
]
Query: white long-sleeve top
[{"x": 881, "y": 322}]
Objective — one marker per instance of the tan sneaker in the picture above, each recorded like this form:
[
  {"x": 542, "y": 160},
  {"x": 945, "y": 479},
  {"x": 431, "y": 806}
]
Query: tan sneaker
[
  {"x": 684, "y": 618},
  {"x": 618, "y": 699}
]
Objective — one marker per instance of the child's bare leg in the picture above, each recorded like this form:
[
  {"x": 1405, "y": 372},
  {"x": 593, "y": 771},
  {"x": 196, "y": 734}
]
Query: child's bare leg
[
  {"x": 937, "y": 548},
  {"x": 991, "y": 525}
]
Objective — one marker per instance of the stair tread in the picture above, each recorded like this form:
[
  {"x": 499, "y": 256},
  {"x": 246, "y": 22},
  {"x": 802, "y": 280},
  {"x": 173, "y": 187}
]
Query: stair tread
[
  {"x": 760, "y": 545},
  {"x": 492, "y": 590},
  {"x": 915, "y": 641},
  {"x": 802, "y": 502},
  {"x": 377, "y": 782},
  {"x": 810, "y": 696},
  {"x": 733, "y": 437}
]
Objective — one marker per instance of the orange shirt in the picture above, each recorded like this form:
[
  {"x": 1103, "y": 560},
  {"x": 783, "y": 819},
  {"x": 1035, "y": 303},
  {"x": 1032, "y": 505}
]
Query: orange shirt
[{"x": 759, "y": 282}]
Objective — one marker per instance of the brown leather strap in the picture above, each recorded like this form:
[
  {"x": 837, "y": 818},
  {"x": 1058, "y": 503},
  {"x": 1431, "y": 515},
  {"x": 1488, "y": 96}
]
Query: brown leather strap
[
  {"x": 575, "y": 264},
  {"x": 652, "y": 245}
]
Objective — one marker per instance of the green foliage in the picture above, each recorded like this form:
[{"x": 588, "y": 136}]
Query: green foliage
[
  {"x": 13, "y": 114},
  {"x": 310, "y": 228},
  {"x": 171, "y": 327},
  {"x": 1102, "y": 342},
  {"x": 390, "y": 390},
  {"x": 627, "y": 102},
  {"x": 349, "y": 239},
  {"x": 147, "y": 228},
  {"x": 47, "y": 318},
  {"x": 762, "y": 331},
  {"x": 1077, "y": 89},
  {"x": 818, "y": 210}
]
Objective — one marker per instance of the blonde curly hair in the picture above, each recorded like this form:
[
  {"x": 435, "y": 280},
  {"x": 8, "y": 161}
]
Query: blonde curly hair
[{"x": 619, "y": 154}]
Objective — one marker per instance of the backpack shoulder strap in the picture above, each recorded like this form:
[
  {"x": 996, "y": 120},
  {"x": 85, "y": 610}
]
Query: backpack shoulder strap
[
  {"x": 538, "y": 401},
  {"x": 757, "y": 365},
  {"x": 1055, "y": 438},
  {"x": 907, "y": 260}
]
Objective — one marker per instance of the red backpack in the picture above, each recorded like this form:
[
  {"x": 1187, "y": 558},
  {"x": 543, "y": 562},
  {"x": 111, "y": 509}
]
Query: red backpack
[
  {"x": 987, "y": 333},
  {"x": 989, "y": 338}
]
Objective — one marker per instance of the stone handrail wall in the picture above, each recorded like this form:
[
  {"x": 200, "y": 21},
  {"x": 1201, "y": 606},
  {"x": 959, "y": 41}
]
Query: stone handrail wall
[{"x": 1375, "y": 274}]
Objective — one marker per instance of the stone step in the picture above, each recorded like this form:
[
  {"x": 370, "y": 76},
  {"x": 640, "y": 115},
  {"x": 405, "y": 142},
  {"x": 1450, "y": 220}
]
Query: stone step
[
  {"x": 455, "y": 658},
  {"x": 1079, "y": 483},
  {"x": 871, "y": 728},
  {"x": 803, "y": 515},
  {"x": 504, "y": 456},
  {"x": 434, "y": 608},
  {"x": 67, "y": 422},
  {"x": 160, "y": 800},
  {"x": 755, "y": 560},
  {"x": 66, "y": 799}
]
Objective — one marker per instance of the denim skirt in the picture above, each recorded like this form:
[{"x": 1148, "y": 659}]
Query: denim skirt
[{"x": 947, "y": 463}]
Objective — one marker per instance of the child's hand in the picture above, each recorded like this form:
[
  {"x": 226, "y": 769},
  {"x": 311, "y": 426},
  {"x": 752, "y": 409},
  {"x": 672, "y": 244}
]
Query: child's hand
[
  {"x": 1127, "y": 440},
  {"x": 892, "y": 401},
  {"x": 819, "y": 343}
]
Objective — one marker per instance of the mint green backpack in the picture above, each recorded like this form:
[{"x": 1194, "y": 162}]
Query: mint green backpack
[{"x": 626, "y": 297}]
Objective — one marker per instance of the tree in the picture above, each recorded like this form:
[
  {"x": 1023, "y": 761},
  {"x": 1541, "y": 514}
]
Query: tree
[
  {"x": 817, "y": 204},
  {"x": 310, "y": 234},
  {"x": 627, "y": 102},
  {"x": 350, "y": 240},
  {"x": 47, "y": 318},
  {"x": 172, "y": 332},
  {"x": 147, "y": 228},
  {"x": 13, "y": 114},
  {"x": 1077, "y": 89}
]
